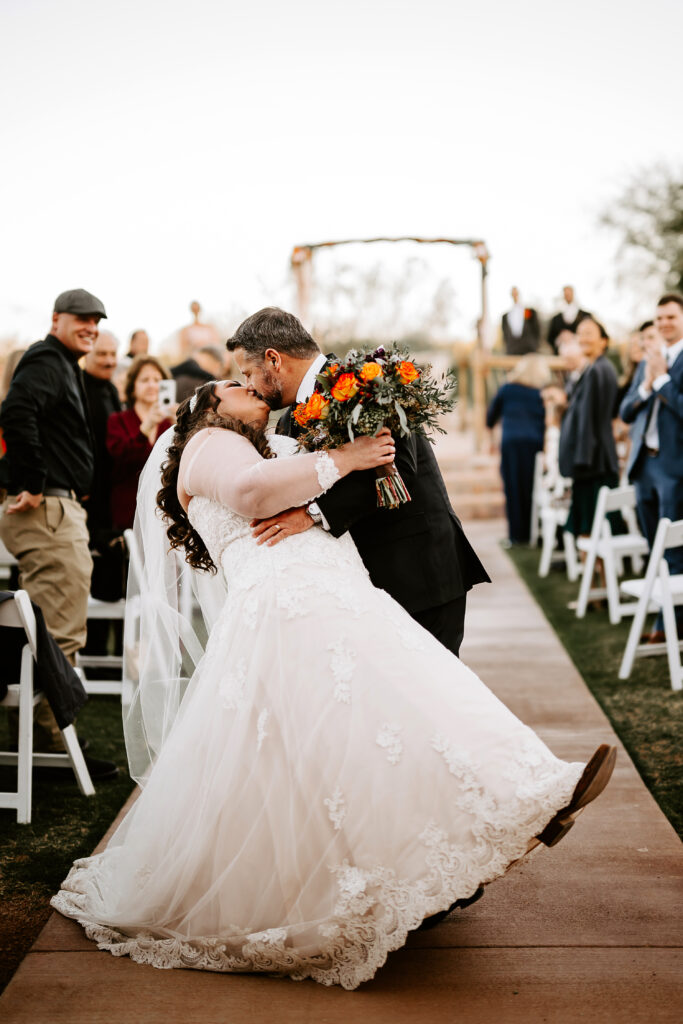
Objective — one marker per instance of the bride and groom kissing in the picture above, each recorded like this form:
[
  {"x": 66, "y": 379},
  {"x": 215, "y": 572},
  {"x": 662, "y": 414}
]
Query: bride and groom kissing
[
  {"x": 418, "y": 553},
  {"x": 330, "y": 775}
]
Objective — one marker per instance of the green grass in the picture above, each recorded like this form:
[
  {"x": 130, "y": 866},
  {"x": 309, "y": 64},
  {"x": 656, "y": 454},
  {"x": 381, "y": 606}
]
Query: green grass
[
  {"x": 35, "y": 858},
  {"x": 645, "y": 712}
]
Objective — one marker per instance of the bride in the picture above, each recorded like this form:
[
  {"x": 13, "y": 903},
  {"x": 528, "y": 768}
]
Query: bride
[{"x": 330, "y": 775}]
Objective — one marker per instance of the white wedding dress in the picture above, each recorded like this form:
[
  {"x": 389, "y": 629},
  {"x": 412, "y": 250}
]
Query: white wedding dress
[{"x": 334, "y": 774}]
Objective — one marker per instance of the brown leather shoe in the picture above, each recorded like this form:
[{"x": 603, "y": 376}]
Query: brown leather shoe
[
  {"x": 657, "y": 636},
  {"x": 595, "y": 777}
]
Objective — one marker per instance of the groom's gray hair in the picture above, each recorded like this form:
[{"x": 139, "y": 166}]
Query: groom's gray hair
[{"x": 273, "y": 328}]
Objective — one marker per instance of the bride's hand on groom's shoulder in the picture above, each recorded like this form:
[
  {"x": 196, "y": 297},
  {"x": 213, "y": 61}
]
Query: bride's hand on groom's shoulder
[{"x": 284, "y": 524}]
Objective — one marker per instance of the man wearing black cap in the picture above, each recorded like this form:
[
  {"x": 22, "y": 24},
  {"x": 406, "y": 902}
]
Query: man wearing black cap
[{"x": 48, "y": 467}]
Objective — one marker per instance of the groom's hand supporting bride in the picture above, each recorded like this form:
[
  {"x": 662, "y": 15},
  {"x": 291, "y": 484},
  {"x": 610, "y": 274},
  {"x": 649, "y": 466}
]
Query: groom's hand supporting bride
[
  {"x": 363, "y": 453},
  {"x": 285, "y": 524}
]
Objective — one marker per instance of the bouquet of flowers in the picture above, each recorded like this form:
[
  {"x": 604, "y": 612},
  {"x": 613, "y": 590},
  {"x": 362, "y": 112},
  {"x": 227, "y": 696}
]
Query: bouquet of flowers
[{"x": 369, "y": 390}]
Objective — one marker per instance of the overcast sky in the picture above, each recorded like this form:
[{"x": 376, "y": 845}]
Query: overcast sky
[{"x": 158, "y": 151}]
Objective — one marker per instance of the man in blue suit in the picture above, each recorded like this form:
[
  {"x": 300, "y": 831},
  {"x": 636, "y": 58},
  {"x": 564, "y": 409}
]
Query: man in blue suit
[{"x": 654, "y": 405}]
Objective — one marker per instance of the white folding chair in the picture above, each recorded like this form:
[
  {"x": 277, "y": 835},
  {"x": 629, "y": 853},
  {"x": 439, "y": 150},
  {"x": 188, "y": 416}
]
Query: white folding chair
[
  {"x": 108, "y": 610},
  {"x": 21, "y": 695},
  {"x": 612, "y": 549},
  {"x": 6, "y": 562},
  {"x": 548, "y": 512},
  {"x": 659, "y": 591},
  {"x": 553, "y": 516},
  {"x": 536, "y": 500}
]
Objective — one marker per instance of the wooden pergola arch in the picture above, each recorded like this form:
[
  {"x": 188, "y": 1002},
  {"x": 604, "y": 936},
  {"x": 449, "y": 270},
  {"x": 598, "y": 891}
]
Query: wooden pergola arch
[{"x": 302, "y": 267}]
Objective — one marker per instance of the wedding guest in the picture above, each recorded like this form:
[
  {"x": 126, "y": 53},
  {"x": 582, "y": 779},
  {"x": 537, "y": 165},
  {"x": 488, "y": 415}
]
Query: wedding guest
[
  {"x": 654, "y": 408},
  {"x": 646, "y": 334},
  {"x": 189, "y": 375},
  {"x": 212, "y": 360},
  {"x": 131, "y": 435},
  {"x": 519, "y": 405},
  {"x": 587, "y": 450},
  {"x": 103, "y": 400},
  {"x": 521, "y": 329},
  {"x": 11, "y": 363},
  {"x": 554, "y": 403},
  {"x": 567, "y": 319},
  {"x": 138, "y": 344},
  {"x": 47, "y": 470},
  {"x": 575, "y": 361},
  {"x": 197, "y": 334},
  {"x": 106, "y": 546}
]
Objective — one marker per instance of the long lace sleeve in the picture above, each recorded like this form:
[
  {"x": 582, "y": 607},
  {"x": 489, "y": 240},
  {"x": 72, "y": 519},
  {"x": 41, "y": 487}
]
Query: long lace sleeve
[{"x": 226, "y": 467}]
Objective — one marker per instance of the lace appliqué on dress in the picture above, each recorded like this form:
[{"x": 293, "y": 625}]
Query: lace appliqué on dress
[
  {"x": 342, "y": 664},
  {"x": 388, "y": 737},
  {"x": 233, "y": 686},
  {"x": 336, "y": 808},
  {"x": 328, "y": 474},
  {"x": 261, "y": 733}
]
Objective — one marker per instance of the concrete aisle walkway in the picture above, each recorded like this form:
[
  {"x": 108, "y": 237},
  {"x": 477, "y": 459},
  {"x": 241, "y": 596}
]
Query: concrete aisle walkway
[{"x": 589, "y": 931}]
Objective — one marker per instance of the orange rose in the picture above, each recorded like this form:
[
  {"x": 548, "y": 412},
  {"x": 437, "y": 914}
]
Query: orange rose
[
  {"x": 370, "y": 371},
  {"x": 346, "y": 387},
  {"x": 331, "y": 370},
  {"x": 318, "y": 406},
  {"x": 302, "y": 414},
  {"x": 407, "y": 372}
]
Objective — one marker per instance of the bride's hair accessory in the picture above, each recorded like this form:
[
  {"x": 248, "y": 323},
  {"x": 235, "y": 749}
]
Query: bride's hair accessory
[{"x": 193, "y": 402}]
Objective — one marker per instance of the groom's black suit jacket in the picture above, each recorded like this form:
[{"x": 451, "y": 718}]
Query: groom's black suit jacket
[{"x": 417, "y": 552}]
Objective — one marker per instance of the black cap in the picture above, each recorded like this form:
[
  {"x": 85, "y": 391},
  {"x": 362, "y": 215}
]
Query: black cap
[{"x": 80, "y": 303}]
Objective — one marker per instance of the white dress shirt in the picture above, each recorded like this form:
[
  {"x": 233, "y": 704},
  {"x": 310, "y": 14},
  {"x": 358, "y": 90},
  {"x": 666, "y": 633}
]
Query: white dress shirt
[
  {"x": 307, "y": 385},
  {"x": 516, "y": 319},
  {"x": 570, "y": 312},
  {"x": 671, "y": 353},
  {"x": 305, "y": 391}
]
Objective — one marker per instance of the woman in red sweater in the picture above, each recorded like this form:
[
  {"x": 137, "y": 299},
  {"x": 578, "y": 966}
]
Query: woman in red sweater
[{"x": 132, "y": 433}]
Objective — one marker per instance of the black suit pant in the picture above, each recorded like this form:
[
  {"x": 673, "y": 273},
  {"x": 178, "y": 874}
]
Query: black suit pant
[{"x": 446, "y": 622}]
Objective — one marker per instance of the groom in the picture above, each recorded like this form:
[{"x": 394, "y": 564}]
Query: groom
[{"x": 417, "y": 552}]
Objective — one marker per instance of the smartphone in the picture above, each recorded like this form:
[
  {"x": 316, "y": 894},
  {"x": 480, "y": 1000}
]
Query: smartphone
[{"x": 167, "y": 393}]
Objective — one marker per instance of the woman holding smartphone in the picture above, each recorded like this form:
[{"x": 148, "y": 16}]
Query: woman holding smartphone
[{"x": 131, "y": 434}]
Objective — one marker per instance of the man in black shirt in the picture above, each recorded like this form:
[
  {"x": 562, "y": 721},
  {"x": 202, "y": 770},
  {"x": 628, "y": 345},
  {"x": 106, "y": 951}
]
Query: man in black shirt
[
  {"x": 47, "y": 469},
  {"x": 103, "y": 399}
]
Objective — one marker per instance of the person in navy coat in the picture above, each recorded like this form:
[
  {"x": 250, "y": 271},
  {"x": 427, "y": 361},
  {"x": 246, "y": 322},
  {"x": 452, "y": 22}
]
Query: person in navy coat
[
  {"x": 519, "y": 405},
  {"x": 654, "y": 407}
]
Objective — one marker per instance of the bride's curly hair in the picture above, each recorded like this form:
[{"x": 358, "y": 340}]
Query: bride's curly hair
[{"x": 180, "y": 531}]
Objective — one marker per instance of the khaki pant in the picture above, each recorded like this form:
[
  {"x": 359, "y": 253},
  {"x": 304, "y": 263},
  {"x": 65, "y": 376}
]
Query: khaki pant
[{"x": 50, "y": 543}]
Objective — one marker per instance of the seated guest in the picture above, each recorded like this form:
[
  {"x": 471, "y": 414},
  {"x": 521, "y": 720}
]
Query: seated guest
[
  {"x": 519, "y": 405},
  {"x": 132, "y": 433},
  {"x": 587, "y": 450}
]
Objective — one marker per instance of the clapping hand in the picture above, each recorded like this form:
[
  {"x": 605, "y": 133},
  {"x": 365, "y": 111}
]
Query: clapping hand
[
  {"x": 149, "y": 425},
  {"x": 655, "y": 366}
]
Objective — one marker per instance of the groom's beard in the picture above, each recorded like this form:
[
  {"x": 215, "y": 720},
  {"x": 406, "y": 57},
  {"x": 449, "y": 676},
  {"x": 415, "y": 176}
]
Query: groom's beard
[{"x": 271, "y": 390}]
